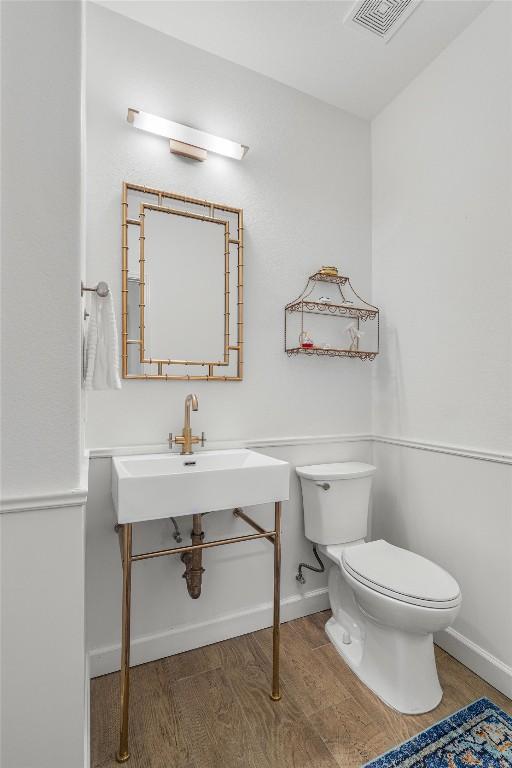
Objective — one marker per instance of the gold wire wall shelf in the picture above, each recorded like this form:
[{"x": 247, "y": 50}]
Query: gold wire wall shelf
[{"x": 330, "y": 296}]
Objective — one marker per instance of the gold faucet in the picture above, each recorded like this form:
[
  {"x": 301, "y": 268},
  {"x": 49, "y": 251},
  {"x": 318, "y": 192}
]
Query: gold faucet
[{"x": 187, "y": 439}]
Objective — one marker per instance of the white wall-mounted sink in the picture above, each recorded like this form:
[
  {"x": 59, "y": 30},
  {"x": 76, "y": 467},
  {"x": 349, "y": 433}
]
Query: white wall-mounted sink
[{"x": 158, "y": 485}]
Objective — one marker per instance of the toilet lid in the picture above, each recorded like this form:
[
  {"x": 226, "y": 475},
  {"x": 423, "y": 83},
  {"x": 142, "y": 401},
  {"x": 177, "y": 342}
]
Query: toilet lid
[
  {"x": 341, "y": 470},
  {"x": 401, "y": 574}
]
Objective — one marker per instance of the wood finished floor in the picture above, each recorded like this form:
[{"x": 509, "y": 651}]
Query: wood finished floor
[{"x": 210, "y": 708}]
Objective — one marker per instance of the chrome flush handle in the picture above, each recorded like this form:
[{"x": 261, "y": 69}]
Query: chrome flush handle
[{"x": 325, "y": 486}]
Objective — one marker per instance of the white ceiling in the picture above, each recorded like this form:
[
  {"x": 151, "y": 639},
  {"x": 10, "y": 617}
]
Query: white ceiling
[{"x": 307, "y": 46}]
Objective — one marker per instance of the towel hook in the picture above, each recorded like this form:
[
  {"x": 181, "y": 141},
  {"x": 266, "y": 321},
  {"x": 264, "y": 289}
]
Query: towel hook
[{"x": 101, "y": 289}]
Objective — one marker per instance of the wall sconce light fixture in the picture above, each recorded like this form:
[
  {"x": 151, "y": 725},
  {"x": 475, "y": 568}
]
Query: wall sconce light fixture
[{"x": 184, "y": 140}]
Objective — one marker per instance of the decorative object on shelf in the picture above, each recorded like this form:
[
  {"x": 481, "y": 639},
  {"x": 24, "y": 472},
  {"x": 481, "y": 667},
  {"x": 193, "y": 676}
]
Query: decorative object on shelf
[
  {"x": 355, "y": 334},
  {"x": 305, "y": 340},
  {"x": 330, "y": 271},
  {"x": 336, "y": 340}
]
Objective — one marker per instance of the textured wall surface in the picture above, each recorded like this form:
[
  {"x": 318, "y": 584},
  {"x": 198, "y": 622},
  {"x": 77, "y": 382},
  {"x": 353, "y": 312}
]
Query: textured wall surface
[
  {"x": 40, "y": 248},
  {"x": 305, "y": 190},
  {"x": 442, "y": 245},
  {"x": 441, "y": 261},
  {"x": 442, "y": 266},
  {"x": 43, "y": 672},
  {"x": 43, "y": 693}
]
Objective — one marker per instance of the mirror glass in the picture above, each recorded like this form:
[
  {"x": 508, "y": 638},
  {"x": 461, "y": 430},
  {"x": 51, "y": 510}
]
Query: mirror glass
[
  {"x": 182, "y": 287},
  {"x": 184, "y": 276}
]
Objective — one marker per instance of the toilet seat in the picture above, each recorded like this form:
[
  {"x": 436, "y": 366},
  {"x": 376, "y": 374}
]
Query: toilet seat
[{"x": 400, "y": 574}]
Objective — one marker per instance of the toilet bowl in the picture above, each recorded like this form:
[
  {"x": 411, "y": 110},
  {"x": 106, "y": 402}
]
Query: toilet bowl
[{"x": 386, "y": 601}]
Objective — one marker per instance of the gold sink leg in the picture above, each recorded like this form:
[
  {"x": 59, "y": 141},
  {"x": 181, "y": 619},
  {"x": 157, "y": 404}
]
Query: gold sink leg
[
  {"x": 123, "y": 754},
  {"x": 276, "y": 693}
]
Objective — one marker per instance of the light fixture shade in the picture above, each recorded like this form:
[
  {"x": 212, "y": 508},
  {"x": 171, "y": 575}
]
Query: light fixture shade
[{"x": 186, "y": 135}]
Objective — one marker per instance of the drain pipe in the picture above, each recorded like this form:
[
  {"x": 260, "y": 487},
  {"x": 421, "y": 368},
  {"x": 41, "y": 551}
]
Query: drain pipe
[
  {"x": 194, "y": 560},
  {"x": 300, "y": 578}
]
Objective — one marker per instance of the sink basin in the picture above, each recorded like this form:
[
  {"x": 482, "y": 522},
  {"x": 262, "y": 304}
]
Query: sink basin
[{"x": 153, "y": 486}]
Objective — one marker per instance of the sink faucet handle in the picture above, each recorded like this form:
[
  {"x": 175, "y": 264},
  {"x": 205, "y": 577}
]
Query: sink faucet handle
[
  {"x": 171, "y": 439},
  {"x": 203, "y": 439}
]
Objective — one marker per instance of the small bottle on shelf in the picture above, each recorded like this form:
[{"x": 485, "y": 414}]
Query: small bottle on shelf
[{"x": 305, "y": 340}]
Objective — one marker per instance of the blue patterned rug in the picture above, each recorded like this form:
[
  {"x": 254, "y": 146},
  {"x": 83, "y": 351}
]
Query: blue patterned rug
[{"x": 478, "y": 735}]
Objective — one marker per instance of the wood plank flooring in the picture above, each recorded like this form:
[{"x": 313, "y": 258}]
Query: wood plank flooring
[{"x": 210, "y": 708}]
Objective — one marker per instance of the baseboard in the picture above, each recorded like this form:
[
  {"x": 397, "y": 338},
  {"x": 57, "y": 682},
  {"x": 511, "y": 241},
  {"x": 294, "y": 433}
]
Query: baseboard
[
  {"x": 188, "y": 636},
  {"x": 488, "y": 667}
]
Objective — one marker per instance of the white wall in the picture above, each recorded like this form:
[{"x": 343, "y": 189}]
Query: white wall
[
  {"x": 441, "y": 255},
  {"x": 42, "y": 669},
  {"x": 442, "y": 269},
  {"x": 40, "y": 247},
  {"x": 305, "y": 190},
  {"x": 43, "y": 649}
]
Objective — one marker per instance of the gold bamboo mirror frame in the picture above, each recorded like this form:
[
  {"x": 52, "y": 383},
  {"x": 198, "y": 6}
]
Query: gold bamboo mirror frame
[{"x": 182, "y": 287}]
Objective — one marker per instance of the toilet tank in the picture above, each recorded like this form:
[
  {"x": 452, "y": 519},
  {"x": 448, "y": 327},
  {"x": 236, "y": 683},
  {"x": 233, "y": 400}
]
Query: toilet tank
[{"x": 335, "y": 499}]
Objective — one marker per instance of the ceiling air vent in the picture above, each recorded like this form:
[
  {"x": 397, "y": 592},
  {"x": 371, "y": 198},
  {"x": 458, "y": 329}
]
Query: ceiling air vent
[{"x": 381, "y": 17}]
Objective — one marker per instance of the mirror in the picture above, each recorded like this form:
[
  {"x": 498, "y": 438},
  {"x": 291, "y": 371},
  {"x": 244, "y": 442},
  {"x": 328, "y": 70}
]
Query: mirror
[
  {"x": 182, "y": 287},
  {"x": 184, "y": 273}
]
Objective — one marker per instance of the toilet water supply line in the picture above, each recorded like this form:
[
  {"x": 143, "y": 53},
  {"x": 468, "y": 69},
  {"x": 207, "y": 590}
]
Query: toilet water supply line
[
  {"x": 300, "y": 578},
  {"x": 176, "y": 535}
]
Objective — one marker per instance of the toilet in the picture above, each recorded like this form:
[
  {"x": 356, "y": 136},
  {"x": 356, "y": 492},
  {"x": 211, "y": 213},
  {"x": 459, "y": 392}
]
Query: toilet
[{"x": 386, "y": 601}]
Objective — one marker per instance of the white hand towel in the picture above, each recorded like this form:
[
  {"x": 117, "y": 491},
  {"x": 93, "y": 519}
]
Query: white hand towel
[{"x": 102, "y": 352}]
